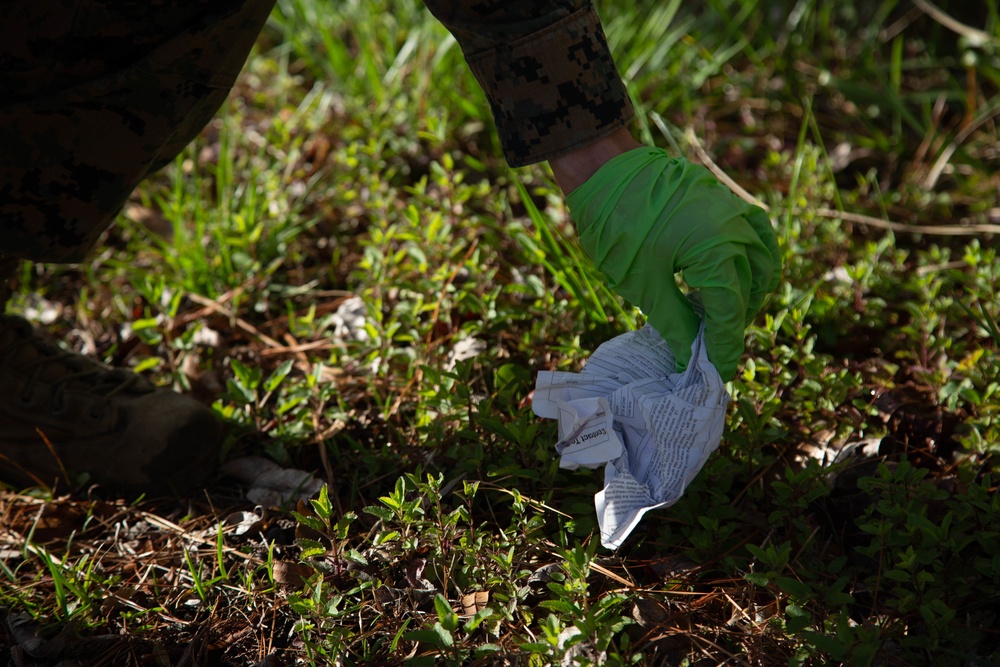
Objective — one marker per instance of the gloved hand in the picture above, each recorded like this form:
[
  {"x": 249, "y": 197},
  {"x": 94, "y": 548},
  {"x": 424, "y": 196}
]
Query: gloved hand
[{"x": 644, "y": 216}]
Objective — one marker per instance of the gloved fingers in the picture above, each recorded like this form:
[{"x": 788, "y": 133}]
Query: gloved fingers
[
  {"x": 761, "y": 223},
  {"x": 761, "y": 280},
  {"x": 765, "y": 261},
  {"x": 725, "y": 293},
  {"x": 671, "y": 314}
]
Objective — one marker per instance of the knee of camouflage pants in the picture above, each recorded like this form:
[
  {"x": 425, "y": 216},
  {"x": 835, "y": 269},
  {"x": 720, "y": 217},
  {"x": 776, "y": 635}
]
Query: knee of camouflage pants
[{"x": 99, "y": 94}]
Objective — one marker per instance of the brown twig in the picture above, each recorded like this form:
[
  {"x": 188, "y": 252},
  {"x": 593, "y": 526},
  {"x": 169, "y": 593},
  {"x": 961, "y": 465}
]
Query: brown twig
[
  {"x": 975, "y": 36},
  {"x": 860, "y": 218}
]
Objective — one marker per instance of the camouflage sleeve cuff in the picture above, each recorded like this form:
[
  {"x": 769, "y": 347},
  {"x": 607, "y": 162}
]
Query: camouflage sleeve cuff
[{"x": 554, "y": 90}]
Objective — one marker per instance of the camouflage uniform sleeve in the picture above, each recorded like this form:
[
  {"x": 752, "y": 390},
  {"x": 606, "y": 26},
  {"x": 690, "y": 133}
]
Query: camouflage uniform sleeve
[{"x": 546, "y": 69}]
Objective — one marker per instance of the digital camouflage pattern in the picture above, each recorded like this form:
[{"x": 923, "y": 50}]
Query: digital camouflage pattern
[
  {"x": 99, "y": 94},
  {"x": 546, "y": 69}
]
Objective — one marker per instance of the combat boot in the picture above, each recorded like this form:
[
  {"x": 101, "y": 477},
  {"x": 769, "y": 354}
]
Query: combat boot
[{"x": 69, "y": 418}]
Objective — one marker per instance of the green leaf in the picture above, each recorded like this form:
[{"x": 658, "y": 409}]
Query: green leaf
[
  {"x": 535, "y": 647},
  {"x": 486, "y": 649},
  {"x": 560, "y": 605},
  {"x": 794, "y": 587},
  {"x": 425, "y": 636},
  {"x": 381, "y": 512},
  {"x": 444, "y": 636},
  {"x": 797, "y": 611},
  {"x": 343, "y": 524},
  {"x": 238, "y": 389},
  {"x": 477, "y": 619},
  {"x": 355, "y": 556},
  {"x": 147, "y": 364},
  {"x": 387, "y": 536},
  {"x": 310, "y": 548},
  {"x": 278, "y": 376},
  {"x": 830, "y": 645},
  {"x": 322, "y": 504},
  {"x": 443, "y": 607},
  {"x": 310, "y": 521},
  {"x": 146, "y": 323}
]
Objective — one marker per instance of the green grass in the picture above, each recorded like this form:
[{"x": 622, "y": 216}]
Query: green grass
[{"x": 356, "y": 158}]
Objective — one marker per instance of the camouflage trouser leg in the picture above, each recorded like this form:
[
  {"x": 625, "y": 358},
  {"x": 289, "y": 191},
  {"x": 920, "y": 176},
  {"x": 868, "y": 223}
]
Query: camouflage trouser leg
[{"x": 98, "y": 94}]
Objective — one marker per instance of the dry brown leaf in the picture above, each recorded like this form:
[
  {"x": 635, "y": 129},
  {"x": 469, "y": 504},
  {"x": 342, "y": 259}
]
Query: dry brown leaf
[
  {"x": 292, "y": 575},
  {"x": 475, "y": 602},
  {"x": 415, "y": 575}
]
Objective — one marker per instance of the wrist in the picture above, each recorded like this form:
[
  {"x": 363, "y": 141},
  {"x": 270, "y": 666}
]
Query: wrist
[{"x": 574, "y": 168}]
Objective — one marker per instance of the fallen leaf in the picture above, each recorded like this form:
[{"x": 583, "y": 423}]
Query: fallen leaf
[
  {"x": 648, "y": 612},
  {"x": 475, "y": 602},
  {"x": 283, "y": 486},
  {"x": 293, "y": 575},
  {"x": 415, "y": 575},
  {"x": 270, "y": 484}
]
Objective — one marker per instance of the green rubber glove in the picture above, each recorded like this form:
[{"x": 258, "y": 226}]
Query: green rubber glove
[{"x": 644, "y": 216}]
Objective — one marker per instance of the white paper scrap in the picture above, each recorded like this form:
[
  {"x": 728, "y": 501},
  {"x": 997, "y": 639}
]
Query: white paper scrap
[{"x": 652, "y": 428}]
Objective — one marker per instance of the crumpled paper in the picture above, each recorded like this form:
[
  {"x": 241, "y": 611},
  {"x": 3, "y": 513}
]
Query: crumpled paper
[{"x": 652, "y": 428}]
